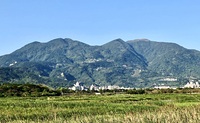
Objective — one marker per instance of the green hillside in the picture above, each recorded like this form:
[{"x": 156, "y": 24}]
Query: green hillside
[
  {"x": 169, "y": 59},
  {"x": 61, "y": 62}
]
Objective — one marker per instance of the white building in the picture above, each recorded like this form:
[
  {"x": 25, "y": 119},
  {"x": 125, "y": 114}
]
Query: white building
[
  {"x": 78, "y": 86},
  {"x": 192, "y": 84},
  {"x": 161, "y": 87},
  {"x": 94, "y": 87},
  {"x": 112, "y": 87}
]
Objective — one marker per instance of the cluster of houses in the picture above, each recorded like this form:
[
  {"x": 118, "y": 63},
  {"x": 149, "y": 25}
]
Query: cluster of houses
[
  {"x": 79, "y": 86},
  {"x": 192, "y": 84}
]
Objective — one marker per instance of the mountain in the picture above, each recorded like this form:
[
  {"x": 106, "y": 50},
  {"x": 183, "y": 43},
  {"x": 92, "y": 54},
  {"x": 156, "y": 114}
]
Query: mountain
[
  {"x": 134, "y": 63},
  {"x": 61, "y": 62}
]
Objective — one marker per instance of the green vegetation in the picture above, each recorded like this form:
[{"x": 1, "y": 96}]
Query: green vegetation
[
  {"x": 163, "y": 91},
  {"x": 24, "y": 90},
  {"x": 122, "y": 108}
]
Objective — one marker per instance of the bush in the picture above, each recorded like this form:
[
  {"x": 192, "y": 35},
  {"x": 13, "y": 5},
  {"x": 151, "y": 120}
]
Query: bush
[
  {"x": 27, "y": 90},
  {"x": 134, "y": 91}
]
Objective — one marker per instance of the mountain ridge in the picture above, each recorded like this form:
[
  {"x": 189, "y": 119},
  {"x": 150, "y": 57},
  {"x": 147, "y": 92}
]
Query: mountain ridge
[{"x": 134, "y": 63}]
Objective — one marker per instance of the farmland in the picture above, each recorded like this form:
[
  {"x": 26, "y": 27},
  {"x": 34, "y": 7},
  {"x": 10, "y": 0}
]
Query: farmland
[{"x": 110, "y": 108}]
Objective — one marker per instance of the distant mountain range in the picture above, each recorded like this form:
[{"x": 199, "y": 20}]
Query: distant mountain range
[{"x": 135, "y": 63}]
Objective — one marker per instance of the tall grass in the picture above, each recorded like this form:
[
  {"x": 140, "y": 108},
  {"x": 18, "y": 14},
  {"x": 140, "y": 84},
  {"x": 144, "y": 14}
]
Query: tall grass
[{"x": 122, "y": 108}]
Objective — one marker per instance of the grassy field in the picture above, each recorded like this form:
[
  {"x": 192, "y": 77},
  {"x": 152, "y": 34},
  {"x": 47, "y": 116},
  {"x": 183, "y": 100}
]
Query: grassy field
[{"x": 118, "y": 108}]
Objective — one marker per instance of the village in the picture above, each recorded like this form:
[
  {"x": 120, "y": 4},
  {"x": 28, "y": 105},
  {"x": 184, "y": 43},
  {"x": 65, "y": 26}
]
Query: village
[{"x": 79, "y": 86}]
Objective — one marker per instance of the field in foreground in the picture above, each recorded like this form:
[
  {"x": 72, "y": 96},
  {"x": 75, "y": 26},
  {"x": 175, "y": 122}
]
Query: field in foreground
[{"x": 119, "y": 108}]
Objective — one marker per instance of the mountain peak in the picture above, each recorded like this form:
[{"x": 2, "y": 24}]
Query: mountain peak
[
  {"x": 115, "y": 42},
  {"x": 57, "y": 41},
  {"x": 118, "y": 39}
]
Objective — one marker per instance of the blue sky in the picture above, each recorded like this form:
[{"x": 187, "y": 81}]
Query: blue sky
[{"x": 97, "y": 22}]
